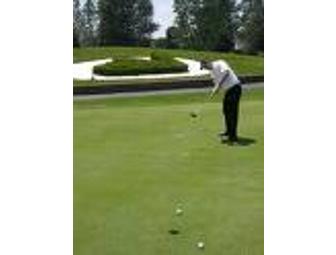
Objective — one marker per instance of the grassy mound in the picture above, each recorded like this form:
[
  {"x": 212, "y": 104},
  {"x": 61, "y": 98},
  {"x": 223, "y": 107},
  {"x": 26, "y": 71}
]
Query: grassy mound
[
  {"x": 159, "y": 64},
  {"x": 242, "y": 64}
]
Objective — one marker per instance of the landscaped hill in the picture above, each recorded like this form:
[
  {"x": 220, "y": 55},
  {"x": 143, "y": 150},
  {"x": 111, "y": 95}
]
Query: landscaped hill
[{"x": 242, "y": 64}]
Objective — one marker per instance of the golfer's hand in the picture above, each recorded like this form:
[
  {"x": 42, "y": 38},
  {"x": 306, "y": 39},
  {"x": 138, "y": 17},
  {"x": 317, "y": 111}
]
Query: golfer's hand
[{"x": 214, "y": 91}]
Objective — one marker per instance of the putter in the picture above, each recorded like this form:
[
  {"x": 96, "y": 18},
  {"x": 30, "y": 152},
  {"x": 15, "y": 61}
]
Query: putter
[{"x": 196, "y": 113}]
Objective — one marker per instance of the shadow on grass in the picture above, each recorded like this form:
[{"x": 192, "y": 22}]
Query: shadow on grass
[{"x": 242, "y": 141}]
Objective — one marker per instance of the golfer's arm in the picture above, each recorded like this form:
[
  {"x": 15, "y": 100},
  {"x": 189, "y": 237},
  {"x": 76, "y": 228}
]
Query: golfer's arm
[
  {"x": 214, "y": 90},
  {"x": 217, "y": 85}
]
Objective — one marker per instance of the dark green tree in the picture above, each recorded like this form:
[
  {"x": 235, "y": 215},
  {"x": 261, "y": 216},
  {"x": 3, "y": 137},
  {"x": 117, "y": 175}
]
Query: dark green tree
[
  {"x": 125, "y": 22},
  {"x": 159, "y": 43},
  {"x": 227, "y": 25},
  {"x": 172, "y": 37},
  {"x": 251, "y": 31},
  {"x": 89, "y": 14},
  {"x": 75, "y": 42},
  {"x": 108, "y": 21},
  {"x": 77, "y": 22},
  {"x": 143, "y": 25},
  {"x": 187, "y": 14},
  {"x": 206, "y": 24}
]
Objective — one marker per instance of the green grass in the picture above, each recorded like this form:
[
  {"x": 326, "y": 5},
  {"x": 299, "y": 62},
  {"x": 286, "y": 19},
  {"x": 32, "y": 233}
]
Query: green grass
[
  {"x": 136, "y": 158},
  {"x": 242, "y": 64}
]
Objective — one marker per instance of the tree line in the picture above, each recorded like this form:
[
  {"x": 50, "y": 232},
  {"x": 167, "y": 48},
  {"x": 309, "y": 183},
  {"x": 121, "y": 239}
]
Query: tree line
[
  {"x": 112, "y": 22},
  {"x": 221, "y": 25}
]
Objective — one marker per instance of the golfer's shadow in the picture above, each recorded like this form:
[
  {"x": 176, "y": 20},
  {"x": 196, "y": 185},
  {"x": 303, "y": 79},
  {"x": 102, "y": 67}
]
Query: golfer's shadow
[{"x": 242, "y": 141}]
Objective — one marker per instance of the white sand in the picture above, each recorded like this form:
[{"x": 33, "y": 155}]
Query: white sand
[{"x": 84, "y": 71}]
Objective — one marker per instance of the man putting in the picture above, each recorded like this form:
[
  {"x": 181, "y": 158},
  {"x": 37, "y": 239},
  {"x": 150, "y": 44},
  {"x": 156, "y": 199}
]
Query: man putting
[{"x": 224, "y": 77}]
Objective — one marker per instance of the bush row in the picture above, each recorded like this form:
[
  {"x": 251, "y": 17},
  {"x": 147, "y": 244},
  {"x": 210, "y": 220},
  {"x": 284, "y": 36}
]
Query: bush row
[{"x": 158, "y": 64}]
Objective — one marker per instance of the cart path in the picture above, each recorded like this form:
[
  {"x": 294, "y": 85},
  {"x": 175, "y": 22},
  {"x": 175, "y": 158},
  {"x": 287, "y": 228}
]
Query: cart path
[{"x": 84, "y": 71}]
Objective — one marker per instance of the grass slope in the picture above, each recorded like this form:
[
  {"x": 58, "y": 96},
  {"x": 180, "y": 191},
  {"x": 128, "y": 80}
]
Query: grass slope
[
  {"x": 243, "y": 64},
  {"x": 135, "y": 159}
]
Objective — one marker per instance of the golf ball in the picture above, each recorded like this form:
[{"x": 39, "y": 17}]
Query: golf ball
[
  {"x": 200, "y": 245},
  {"x": 179, "y": 211}
]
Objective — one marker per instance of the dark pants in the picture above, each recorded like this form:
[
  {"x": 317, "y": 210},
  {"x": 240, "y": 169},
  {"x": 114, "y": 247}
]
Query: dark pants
[{"x": 231, "y": 111}]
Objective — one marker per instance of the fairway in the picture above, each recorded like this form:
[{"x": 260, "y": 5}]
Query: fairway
[{"x": 136, "y": 159}]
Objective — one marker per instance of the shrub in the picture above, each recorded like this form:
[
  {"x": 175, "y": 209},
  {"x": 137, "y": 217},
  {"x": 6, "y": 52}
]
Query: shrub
[
  {"x": 159, "y": 55},
  {"x": 158, "y": 65}
]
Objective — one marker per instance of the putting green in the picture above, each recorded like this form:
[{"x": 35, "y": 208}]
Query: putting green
[{"x": 137, "y": 159}]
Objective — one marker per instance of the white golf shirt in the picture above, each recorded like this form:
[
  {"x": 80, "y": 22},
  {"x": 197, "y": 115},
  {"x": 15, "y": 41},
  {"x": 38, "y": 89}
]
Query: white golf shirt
[{"x": 219, "y": 70}]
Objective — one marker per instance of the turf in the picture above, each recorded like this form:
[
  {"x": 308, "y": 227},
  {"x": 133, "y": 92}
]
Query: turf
[{"x": 135, "y": 159}]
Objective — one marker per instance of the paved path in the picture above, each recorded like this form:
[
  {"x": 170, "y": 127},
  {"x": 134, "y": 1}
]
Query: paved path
[
  {"x": 154, "y": 93},
  {"x": 84, "y": 71}
]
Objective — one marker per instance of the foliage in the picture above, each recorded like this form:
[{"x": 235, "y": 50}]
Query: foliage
[
  {"x": 125, "y": 22},
  {"x": 186, "y": 16},
  {"x": 160, "y": 43},
  {"x": 251, "y": 32},
  {"x": 217, "y": 26},
  {"x": 172, "y": 35},
  {"x": 157, "y": 65},
  {"x": 77, "y": 23},
  {"x": 89, "y": 13},
  {"x": 75, "y": 42},
  {"x": 206, "y": 25}
]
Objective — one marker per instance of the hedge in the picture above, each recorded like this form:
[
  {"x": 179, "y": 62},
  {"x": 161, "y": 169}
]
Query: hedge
[{"x": 158, "y": 65}]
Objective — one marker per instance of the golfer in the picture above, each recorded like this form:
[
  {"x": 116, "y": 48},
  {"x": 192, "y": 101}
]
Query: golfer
[{"x": 224, "y": 78}]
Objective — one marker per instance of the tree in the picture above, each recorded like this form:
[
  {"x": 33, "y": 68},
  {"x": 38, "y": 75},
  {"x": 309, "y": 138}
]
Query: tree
[
  {"x": 143, "y": 22},
  {"x": 125, "y": 22},
  {"x": 159, "y": 43},
  {"x": 206, "y": 24},
  {"x": 77, "y": 22},
  {"x": 251, "y": 31},
  {"x": 75, "y": 42},
  {"x": 216, "y": 25},
  {"x": 226, "y": 40},
  {"x": 172, "y": 37},
  {"x": 187, "y": 13},
  {"x": 89, "y": 13},
  {"x": 108, "y": 17}
]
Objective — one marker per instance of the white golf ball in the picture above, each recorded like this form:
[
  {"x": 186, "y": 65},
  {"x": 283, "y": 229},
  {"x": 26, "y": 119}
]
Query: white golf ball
[
  {"x": 179, "y": 211},
  {"x": 200, "y": 245}
]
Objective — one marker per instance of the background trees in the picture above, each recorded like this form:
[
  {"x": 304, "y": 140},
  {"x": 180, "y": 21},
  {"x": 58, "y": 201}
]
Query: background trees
[
  {"x": 125, "y": 22},
  {"x": 251, "y": 32},
  {"x": 84, "y": 23},
  {"x": 89, "y": 30},
  {"x": 206, "y": 24},
  {"x": 221, "y": 25},
  {"x": 77, "y": 22}
]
